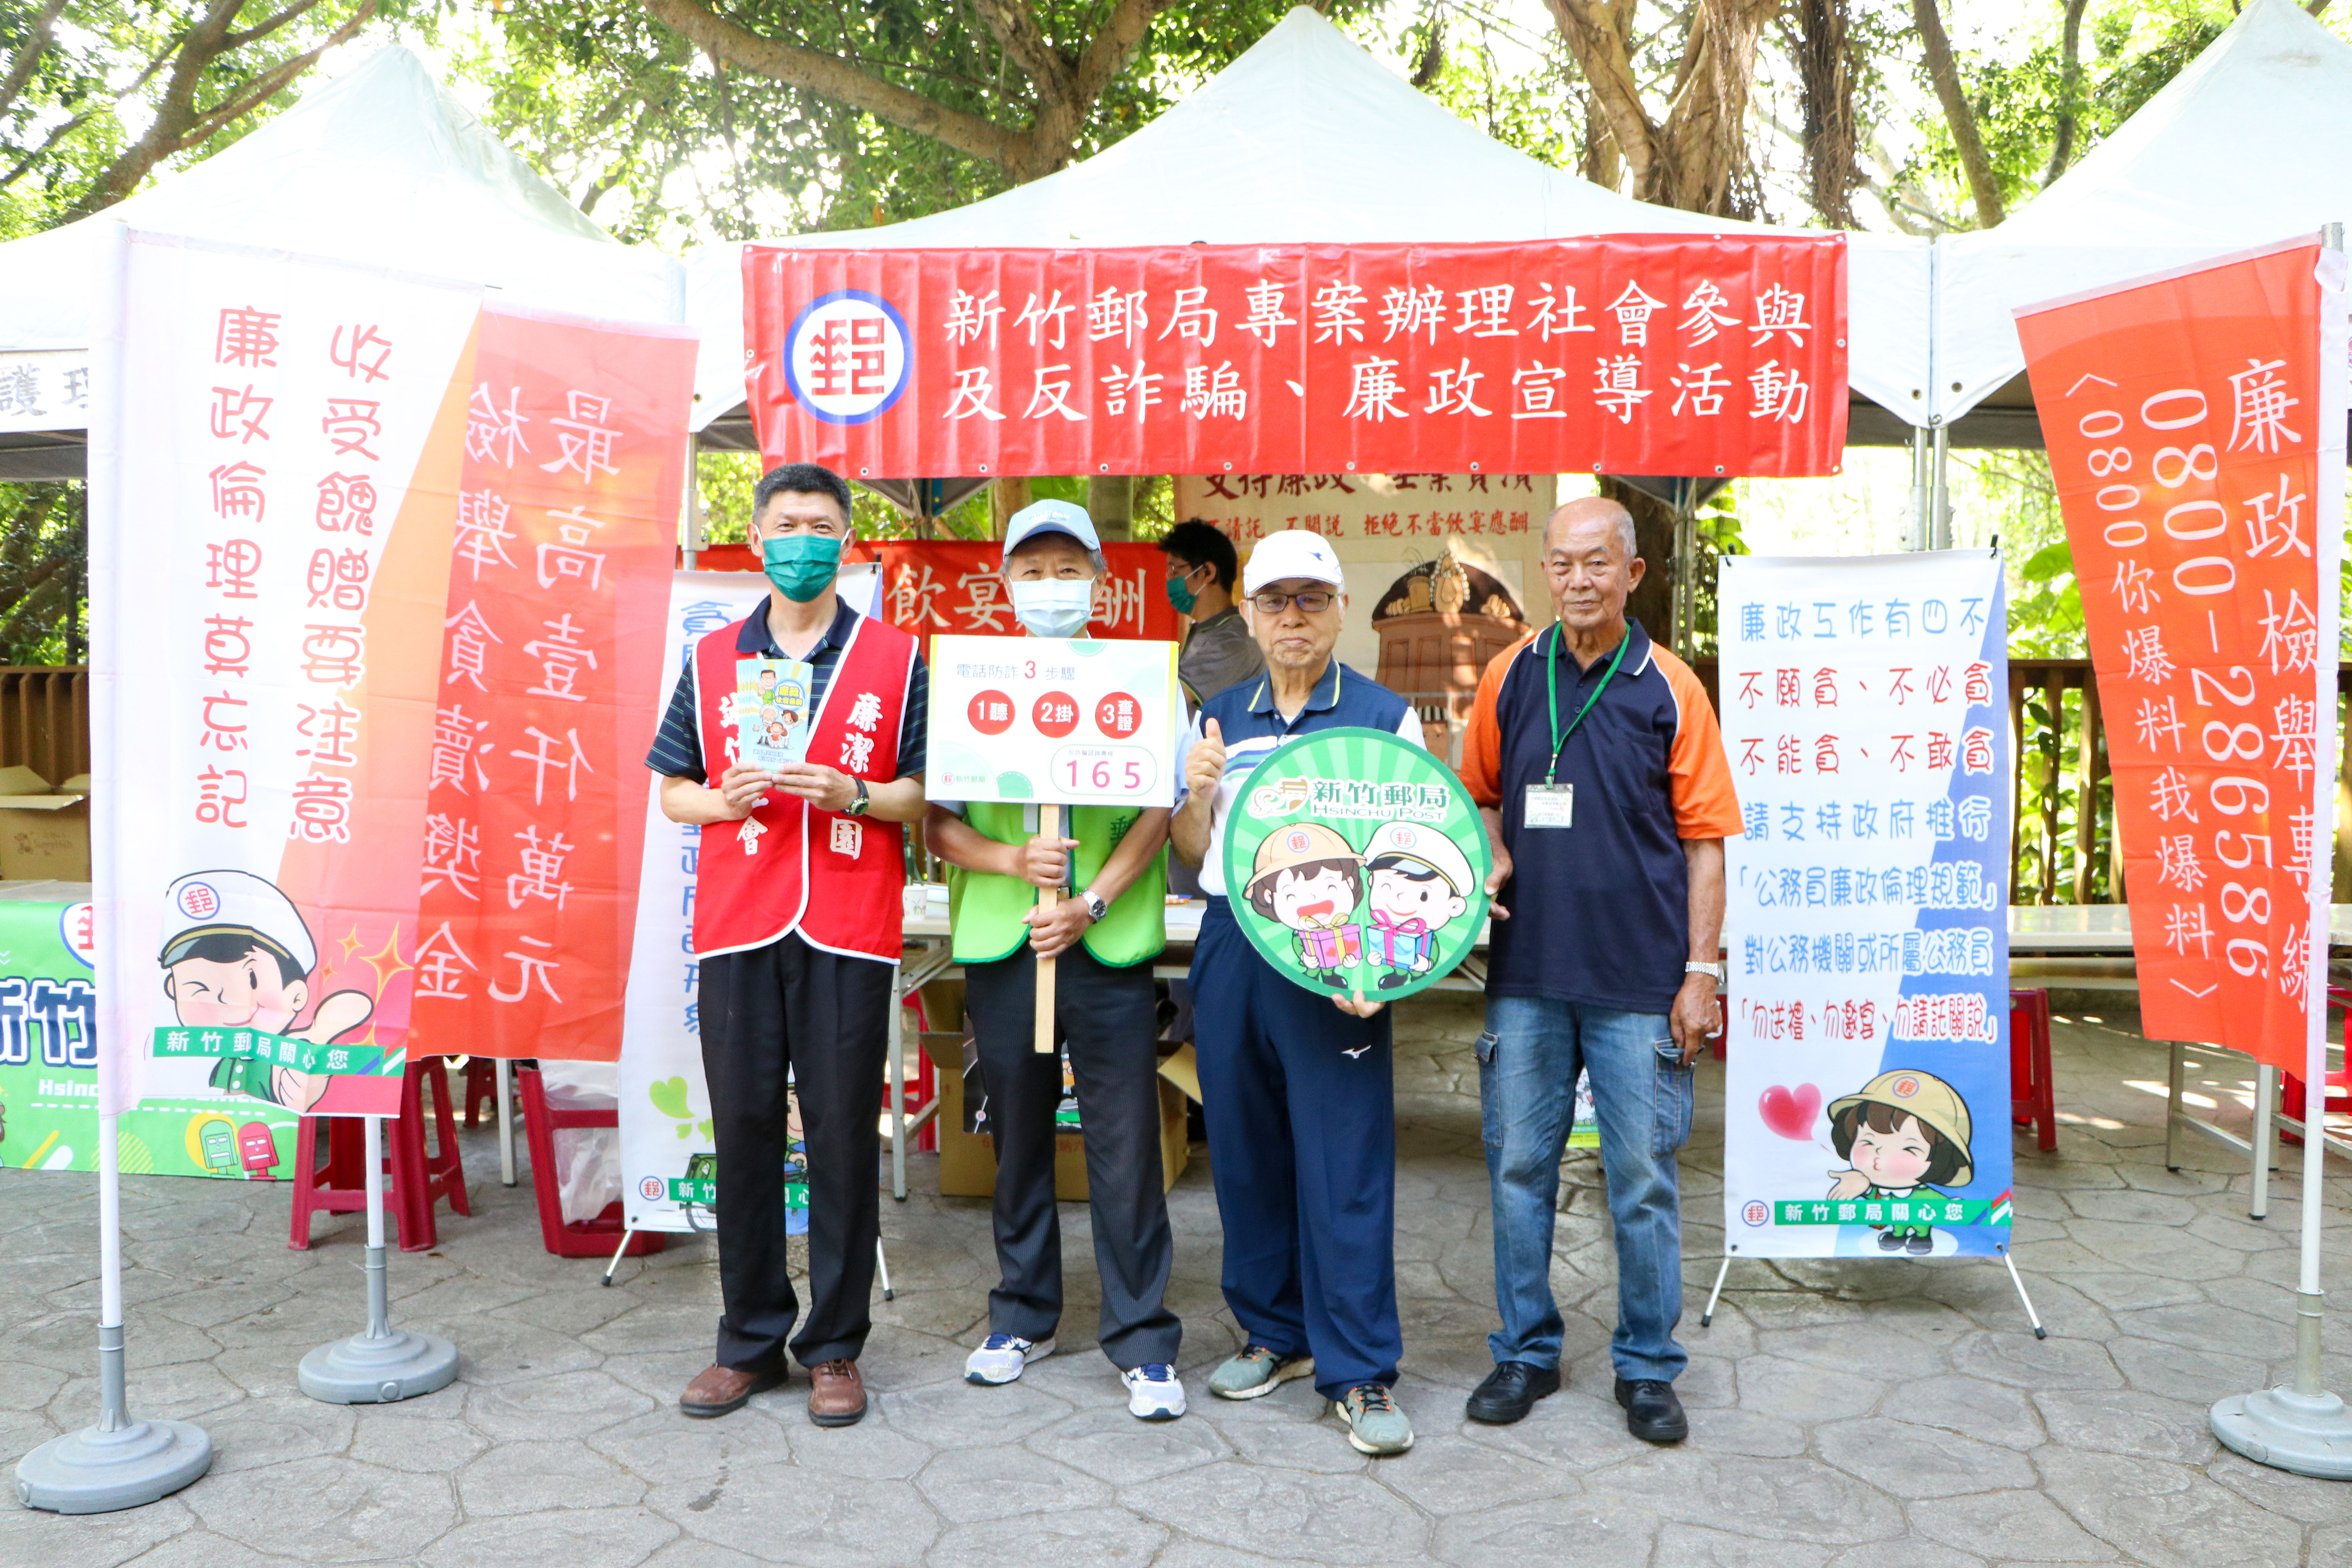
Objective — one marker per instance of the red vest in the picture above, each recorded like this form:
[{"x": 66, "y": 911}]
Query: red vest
[{"x": 753, "y": 878}]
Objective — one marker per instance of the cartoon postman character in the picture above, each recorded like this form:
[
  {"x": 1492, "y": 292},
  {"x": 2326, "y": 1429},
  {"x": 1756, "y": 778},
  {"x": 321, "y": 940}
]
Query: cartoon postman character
[
  {"x": 1307, "y": 877},
  {"x": 1906, "y": 1132},
  {"x": 1420, "y": 879},
  {"x": 240, "y": 956}
]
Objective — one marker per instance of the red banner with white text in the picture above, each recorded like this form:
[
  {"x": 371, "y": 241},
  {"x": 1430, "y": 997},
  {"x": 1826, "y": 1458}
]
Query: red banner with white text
[
  {"x": 552, "y": 648},
  {"x": 1628, "y": 355},
  {"x": 2198, "y": 448},
  {"x": 935, "y": 585}
]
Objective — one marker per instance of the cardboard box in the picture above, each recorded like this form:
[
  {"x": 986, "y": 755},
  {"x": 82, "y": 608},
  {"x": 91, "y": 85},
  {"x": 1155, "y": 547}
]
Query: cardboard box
[
  {"x": 968, "y": 1160},
  {"x": 43, "y": 833}
]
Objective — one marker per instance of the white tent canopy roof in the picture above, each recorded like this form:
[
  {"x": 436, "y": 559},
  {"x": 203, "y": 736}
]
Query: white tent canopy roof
[
  {"x": 380, "y": 165},
  {"x": 2245, "y": 146},
  {"x": 1306, "y": 138}
]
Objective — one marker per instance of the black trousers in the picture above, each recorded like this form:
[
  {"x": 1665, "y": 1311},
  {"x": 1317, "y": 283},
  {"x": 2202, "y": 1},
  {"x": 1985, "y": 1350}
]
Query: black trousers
[
  {"x": 1108, "y": 1019},
  {"x": 826, "y": 1018}
]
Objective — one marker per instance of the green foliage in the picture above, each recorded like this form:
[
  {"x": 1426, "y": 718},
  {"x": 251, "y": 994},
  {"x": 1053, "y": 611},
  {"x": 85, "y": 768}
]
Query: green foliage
[
  {"x": 44, "y": 573},
  {"x": 1536, "y": 112},
  {"x": 1715, "y": 533}
]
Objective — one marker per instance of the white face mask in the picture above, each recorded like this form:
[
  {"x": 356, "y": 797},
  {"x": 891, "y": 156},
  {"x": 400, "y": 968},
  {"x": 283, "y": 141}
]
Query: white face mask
[{"x": 1053, "y": 607}]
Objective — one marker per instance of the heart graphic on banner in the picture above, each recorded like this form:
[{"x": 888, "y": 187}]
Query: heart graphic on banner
[{"x": 1791, "y": 1111}]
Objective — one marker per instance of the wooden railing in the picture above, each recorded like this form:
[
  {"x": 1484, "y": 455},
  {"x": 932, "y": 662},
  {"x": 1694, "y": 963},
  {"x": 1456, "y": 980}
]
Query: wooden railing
[{"x": 45, "y": 720}]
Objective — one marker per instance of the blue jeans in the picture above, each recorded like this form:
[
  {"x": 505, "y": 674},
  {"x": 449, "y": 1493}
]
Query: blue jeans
[{"x": 1527, "y": 1063}]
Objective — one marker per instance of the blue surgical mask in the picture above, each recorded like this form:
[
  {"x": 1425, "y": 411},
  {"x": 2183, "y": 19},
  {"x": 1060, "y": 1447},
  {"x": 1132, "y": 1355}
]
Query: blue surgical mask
[
  {"x": 1055, "y": 607},
  {"x": 800, "y": 565}
]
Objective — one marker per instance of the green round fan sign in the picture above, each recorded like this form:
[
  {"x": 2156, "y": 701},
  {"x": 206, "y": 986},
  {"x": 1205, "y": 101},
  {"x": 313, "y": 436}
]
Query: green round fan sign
[{"x": 1357, "y": 863}]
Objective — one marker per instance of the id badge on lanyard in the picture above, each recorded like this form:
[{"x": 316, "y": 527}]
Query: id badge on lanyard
[{"x": 1552, "y": 803}]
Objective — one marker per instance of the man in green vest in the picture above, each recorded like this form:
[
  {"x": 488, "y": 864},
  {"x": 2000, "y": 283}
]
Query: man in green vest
[{"x": 1103, "y": 939}]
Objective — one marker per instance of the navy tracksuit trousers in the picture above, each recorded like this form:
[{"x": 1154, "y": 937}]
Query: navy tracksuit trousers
[{"x": 1302, "y": 1146}]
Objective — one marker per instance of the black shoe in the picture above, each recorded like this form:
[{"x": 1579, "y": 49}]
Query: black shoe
[
  {"x": 1889, "y": 1242},
  {"x": 1920, "y": 1245},
  {"x": 1331, "y": 978},
  {"x": 1393, "y": 979},
  {"x": 1653, "y": 1412},
  {"x": 1511, "y": 1391}
]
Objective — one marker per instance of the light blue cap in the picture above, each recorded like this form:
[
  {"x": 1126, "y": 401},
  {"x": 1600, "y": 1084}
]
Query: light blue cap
[{"x": 1050, "y": 517}]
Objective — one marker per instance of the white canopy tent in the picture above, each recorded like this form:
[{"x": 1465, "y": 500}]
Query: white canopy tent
[
  {"x": 1307, "y": 138},
  {"x": 2245, "y": 146},
  {"x": 380, "y": 166}
]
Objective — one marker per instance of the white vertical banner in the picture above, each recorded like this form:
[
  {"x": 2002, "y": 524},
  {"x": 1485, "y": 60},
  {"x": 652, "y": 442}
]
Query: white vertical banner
[
  {"x": 273, "y": 479},
  {"x": 665, "y": 1104},
  {"x": 1864, "y": 706}
]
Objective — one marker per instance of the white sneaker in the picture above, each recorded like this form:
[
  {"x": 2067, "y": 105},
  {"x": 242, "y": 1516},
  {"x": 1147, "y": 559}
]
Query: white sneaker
[
  {"x": 1153, "y": 1394},
  {"x": 1002, "y": 1357}
]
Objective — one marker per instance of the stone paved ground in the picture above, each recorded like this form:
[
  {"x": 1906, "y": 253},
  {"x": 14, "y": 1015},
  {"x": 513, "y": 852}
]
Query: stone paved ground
[{"x": 1861, "y": 1413}]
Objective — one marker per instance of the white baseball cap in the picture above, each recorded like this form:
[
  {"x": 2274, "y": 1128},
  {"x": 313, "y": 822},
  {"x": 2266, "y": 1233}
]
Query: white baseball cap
[
  {"x": 1293, "y": 553},
  {"x": 1050, "y": 517},
  {"x": 219, "y": 903}
]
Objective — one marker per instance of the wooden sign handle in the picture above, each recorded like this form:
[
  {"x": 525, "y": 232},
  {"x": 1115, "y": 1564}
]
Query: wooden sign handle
[{"x": 1049, "y": 817}]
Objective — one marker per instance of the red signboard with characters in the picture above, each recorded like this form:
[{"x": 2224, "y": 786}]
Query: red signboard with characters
[
  {"x": 932, "y": 586},
  {"x": 1630, "y": 354},
  {"x": 2198, "y": 465}
]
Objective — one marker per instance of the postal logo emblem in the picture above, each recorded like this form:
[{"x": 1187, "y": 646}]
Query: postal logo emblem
[
  {"x": 650, "y": 1189},
  {"x": 1756, "y": 1212},
  {"x": 1905, "y": 1086},
  {"x": 1402, "y": 837},
  {"x": 848, "y": 356},
  {"x": 1296, "y": 842},
  {"x": 198, "y": 901}
]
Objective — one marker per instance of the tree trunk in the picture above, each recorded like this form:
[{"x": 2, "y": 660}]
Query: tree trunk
[
  {"x": 1944, "y": 71},
  {"x": 1005, "y": 497},
  {"x": 1825, "y": 72},
  {"x": 1110, "y": 501},
  {"x": 2070, "y": 89},
  {"x": 1653, "y": 602}
]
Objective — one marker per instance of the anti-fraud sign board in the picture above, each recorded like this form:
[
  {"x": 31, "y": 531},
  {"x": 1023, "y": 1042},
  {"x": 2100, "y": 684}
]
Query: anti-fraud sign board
[
  {"x": 1864, "y": 706},
  {"x": 1075, "y": 720},
  {"x": 2196, "y": 432},
  {"x": 1627, "y": 355},
  {"x": 273, "y": 477},
  {"x": 664, "y": 1111},
  {"x": 48, "y": 1071},
  {"x": 1358, "y": 865}
]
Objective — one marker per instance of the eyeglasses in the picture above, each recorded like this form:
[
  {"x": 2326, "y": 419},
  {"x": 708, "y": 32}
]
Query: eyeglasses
[{"x": 1313, "y": 602}]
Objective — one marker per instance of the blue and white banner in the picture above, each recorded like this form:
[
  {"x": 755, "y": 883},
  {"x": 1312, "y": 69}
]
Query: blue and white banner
[{"x": 1864, "y": 706}]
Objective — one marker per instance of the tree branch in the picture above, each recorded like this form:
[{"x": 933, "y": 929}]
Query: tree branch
[
  {"x": 1596, "y": 34},
  {"x": 827, "y": 76},
  {"x": 1944, "y": 72},
  {"x": 28, "y": 54},
  {"x": 2070, "y": 89},
  {"x": 1115, "y": 48}
]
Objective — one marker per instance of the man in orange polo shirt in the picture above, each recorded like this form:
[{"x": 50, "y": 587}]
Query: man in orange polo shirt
[{"x": 1599, "y": 769}]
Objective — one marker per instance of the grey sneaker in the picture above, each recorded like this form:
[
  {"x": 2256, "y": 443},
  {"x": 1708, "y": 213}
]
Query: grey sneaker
[
  {"x": 1257, "y": 1371},
  {"x": 1375, "y": 1425}
]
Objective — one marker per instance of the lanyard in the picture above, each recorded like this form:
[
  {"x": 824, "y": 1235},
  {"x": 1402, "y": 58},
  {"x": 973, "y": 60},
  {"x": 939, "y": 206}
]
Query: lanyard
[{"x": 1552, "y": 686}]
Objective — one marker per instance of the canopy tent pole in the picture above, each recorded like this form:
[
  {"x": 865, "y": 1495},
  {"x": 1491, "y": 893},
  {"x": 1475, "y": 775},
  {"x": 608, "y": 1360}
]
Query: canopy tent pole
[{"x": 692, "y": 540}]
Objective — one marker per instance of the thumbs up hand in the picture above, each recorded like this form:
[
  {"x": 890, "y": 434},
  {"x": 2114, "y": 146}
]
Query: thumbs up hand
[{"x": 1204, "y": 764}]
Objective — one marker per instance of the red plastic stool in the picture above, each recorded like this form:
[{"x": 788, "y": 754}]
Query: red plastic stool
[
  {"x": 580, "y": 1238},
  {"x": 481, "y": 1088},
  {"x": 414, "y": 1180},
  {"x": 2292, "y": 1094},
  {"x": 2032, "y": 1102},
  {"x": 922, "y": 1089}
]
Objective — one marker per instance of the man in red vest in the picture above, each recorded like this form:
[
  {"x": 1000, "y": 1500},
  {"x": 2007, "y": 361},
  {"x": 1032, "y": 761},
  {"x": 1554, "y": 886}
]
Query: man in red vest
[{"x": 796, "y": 926}]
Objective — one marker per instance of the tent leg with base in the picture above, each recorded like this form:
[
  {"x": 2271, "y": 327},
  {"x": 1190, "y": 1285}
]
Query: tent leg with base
[
  {"x": 1715, "y": 1295},
  {"x": 119, "y": 1463},
  {"x": 384, "y": 1364}
]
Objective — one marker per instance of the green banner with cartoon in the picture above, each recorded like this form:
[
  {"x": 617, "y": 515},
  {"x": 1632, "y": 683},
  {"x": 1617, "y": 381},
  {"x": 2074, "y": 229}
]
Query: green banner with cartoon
[
  {"x": 1357, "y": 865},
  {"x": 48, "y": 1071}
]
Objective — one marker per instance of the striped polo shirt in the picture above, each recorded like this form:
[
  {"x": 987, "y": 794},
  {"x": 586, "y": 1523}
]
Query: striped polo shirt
[
  {"x": 1600, "y": 909},
  {"x": 1251, "y": 728}
]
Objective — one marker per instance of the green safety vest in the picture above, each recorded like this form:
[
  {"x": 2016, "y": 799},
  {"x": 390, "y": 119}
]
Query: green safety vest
[{"x": 986, "y": 911}]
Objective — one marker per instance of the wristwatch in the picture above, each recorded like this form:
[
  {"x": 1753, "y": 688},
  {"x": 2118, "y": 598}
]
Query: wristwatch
[
  {"x": 860, "y": 801},
  {"x": 1712, "y": 971},
  {"x": 1096, "y": 908}
]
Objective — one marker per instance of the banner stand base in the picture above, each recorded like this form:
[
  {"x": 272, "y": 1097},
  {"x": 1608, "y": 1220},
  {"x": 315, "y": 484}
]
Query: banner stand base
[
  {"x": 119, "y": 1463},
  {"x": 2310, "y": 1434},
  {"x": 382, "y": 1365},
  {"x": 1715, "y": 1295}
]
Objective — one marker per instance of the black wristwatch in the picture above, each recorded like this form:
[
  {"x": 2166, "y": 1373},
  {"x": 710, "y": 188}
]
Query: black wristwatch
[{"x": 860, "y": 801}]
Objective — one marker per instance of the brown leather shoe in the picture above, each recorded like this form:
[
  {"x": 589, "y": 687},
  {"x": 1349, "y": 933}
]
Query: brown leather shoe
[
  {"x": 720, "y": 1389},
  {"x": 838, "y": 1398}
]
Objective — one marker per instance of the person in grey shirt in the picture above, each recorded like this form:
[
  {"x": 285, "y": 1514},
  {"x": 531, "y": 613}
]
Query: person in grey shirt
[{"x": 1219, "y": 650}]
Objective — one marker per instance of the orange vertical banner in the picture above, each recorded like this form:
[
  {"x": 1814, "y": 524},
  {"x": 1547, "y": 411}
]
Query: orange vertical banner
[
  {"x": 551, "y": 646},
  {"x": 2198, "y": 450}
]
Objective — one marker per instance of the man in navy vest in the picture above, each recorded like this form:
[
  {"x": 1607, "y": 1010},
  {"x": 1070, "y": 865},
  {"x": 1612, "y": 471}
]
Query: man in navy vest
[{"x": 796, "y": 928}]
